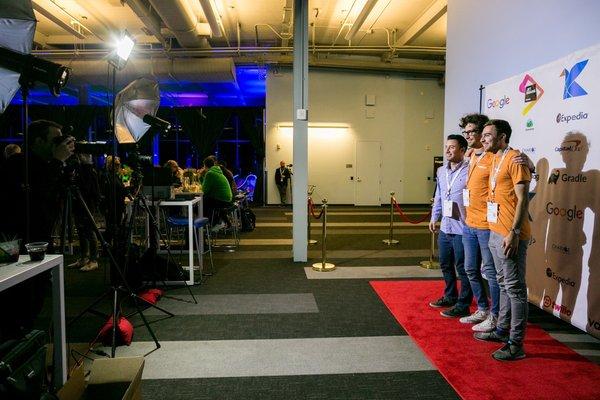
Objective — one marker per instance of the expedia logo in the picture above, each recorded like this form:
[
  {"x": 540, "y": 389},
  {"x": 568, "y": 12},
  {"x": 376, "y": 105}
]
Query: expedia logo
[
  {"x": 569, "y": 145},
  {"x": 559, "y": 279},
  {"x": 500, "y": 103},
  {"x": 566, "y": 118},
  {"x": 569, "y": 213},
  {"x": 561, "y": 248},
  {"x": 549, "y": 303}
]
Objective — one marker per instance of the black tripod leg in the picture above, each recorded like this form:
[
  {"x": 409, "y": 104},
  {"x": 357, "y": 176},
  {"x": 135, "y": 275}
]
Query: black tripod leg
[
  {"x": 154, "y": 226},
  {"x": 115, "y": 323},
  {"x": 89, "y": 308},
  {"x": 113, "y": 261}
]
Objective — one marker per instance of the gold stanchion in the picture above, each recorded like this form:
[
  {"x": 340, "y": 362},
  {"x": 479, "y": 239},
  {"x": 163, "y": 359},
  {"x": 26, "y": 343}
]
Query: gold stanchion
[
  {"x": 324, "y": 266},
  {"x": 311, "y": 188},
  {"x": 391, "y": 239},
  {"x": 431, "y": 264}
]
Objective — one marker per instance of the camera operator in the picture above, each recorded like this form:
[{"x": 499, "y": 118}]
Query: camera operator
[
  {"x": 49, "y": 150},
  {"x": 114, "y": 193}
]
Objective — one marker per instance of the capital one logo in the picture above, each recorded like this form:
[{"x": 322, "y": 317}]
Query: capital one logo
[
  {"x": 569, "y": 145},
  {"x": 533, "y": 93},
  {"x": 572, "y": 88}
]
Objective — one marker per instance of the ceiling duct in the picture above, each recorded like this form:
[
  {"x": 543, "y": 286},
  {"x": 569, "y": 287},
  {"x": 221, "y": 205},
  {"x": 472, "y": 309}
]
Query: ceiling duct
[
  {"x": 198, "y": 70},
  {"x": 179, "y": 17},
  {"x": 150, "y": 20}
]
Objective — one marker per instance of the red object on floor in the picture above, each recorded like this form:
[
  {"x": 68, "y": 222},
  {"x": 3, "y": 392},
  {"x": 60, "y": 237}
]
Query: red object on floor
[
  {"x": 551, "y": 370},
  {"x": 124, "y": 332},
  {"x": 151, "y": 295}
]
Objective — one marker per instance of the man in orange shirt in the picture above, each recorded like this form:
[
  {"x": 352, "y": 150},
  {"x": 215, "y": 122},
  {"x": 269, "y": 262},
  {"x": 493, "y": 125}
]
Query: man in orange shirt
[{"x": 509, "y": 236}]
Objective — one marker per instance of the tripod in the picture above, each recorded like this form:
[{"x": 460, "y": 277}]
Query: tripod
[
  {"x": 116, "y": 290},
  {"x": 140, "y": 204}
]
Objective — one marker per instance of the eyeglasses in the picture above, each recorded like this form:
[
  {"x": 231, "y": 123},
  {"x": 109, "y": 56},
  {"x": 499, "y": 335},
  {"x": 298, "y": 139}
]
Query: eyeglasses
[{"x": 467, "y": 133}]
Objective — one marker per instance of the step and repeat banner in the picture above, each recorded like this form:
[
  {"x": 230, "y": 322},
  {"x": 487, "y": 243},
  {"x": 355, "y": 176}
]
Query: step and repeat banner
[{"x": 554, "y": 111}]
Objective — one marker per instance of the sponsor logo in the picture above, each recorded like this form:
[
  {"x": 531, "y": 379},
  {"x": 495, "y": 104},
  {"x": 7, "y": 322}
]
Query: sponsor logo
[
  {"x": 533, "y": 93},
  {"x": 564, "y": 118},
  {"x": 556, "y": 175},
  {"x": 569, "y": 145},
  {"x": 594, "y": 324},
  {"x": 529, "y": 150},
  {"x": 549, "y": 303},
  {"x": 572, "y": 88},
  {"x": 569, "y": 213},
  {"x": 504, "y": 101},
  {"x": 561, "y": 248},
  {"x": 529, "y": 125}
]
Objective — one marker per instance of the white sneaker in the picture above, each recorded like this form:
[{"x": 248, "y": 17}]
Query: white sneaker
[
  {"x": 90, "y": 266},
  {"x": 488, "y": 325},
  {"x": 475, "y": 318},
  {"x": 219, "y": 227},
  {"x": 79, "y": 263}
]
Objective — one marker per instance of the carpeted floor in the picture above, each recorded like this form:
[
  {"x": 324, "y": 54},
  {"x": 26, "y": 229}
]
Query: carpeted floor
[{"x": 267, "y": 328}]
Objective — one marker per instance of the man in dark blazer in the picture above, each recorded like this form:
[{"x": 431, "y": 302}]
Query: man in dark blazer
[{"x": 282, "y": 176}]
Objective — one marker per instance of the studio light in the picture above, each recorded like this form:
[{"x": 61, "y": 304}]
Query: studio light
[
  {"x": 122, "y": 51},
  {"x": 34, "y": 69},
  {"x": 133, "y": 106}
]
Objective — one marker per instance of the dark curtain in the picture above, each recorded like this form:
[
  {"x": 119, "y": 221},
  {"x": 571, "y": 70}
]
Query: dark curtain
[
  {"x": 79, "y": 117},
  {"x": 203, "y": 126},
  {"x": 254, "y": 130}
]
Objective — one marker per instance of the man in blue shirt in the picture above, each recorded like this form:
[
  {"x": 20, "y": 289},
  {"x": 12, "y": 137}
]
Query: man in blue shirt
[{"x": 448, "y": 205}]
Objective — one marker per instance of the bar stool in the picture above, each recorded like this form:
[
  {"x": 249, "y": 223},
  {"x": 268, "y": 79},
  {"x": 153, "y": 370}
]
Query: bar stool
[
  {"x": 233, "y": 214},
  {"x": 199, "y": 224}
]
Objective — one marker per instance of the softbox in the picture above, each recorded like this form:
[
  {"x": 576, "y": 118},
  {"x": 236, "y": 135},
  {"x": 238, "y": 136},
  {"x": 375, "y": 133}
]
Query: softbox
[
  {"x": 141, "y": 97},
  {"x": 17, "y": 27}
]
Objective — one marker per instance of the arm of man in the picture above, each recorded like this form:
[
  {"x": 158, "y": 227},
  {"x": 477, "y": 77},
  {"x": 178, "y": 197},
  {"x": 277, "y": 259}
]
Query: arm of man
[
  {"x": 511, "y": 242},
  {"x": 523, "y": 159},
  {"x": 436, "y": 210}
]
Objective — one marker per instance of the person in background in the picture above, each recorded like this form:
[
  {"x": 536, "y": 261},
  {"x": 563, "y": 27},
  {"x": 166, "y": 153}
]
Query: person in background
[
  {"x": 10, "y": 150},
  {"x": 229, "y": 175},
  {"x": 507, "y": 216},
  {"x": 282, "y": 176},
  {"x": 217, "y": 193},
  {"x": 176, "y": 172},
  {"x": 86, "y": 180},
  {"x": 112, "y": 207},
  {"x": 448, "y": 205}
]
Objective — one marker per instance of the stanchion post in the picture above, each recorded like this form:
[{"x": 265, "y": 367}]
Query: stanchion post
[
  {"x": 308, "y": 210},
  {"x": 324, "y": 266},
  {"x": 431, "y": 264},
  {"x": 389, "y": 241}
]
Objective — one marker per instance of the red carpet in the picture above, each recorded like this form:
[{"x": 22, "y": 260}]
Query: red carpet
[{"x": 551, "y": 370}]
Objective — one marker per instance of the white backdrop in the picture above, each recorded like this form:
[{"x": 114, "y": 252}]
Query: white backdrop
[{"x": 554, "y": 112}]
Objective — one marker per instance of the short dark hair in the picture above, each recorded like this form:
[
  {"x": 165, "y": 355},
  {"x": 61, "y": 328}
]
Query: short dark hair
[
  {"x": 478, "y": 120},
  {"x": 502, "y": 127},
  {"x": 209, "y": 161},
  {"x": 462, "y": 142},
  {"x": 40, "y": 129}
]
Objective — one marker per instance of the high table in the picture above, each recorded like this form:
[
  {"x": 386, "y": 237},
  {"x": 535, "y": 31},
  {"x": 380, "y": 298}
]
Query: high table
[
  {"x": 189, "y": 204},
  {"x": 13, "y": 274}
]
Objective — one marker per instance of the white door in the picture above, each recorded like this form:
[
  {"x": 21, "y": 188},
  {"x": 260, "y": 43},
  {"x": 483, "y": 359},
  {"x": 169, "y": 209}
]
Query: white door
[{"x": 368, "y": 169}]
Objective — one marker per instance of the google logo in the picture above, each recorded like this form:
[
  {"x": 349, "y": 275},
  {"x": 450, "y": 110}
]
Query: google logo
[
  {"x": 504, "y": 101},
  {"x": 569, "y": 213}
]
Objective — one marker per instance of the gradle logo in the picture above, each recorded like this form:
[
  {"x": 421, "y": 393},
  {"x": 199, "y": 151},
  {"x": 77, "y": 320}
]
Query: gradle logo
[
  {"x": 554, "y": 177},
  {"x": 572, "y": 88},
  {"x": 533, "y": 93},
  {"x": 569, "y": 213},
  {"x": 529, "y": 125},
  {"x": 569, "y": 145},
  {"x": 560, "y": 118},
  {"x": 560, "y": 279},
  {"x": 504, "y": 101},
  {"x": 549, "y": 303}
]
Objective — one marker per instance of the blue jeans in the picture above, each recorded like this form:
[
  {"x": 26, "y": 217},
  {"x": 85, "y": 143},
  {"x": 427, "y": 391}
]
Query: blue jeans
[
  {"x": 452, "y": 256},
  {"x": 478, "y": 260}
]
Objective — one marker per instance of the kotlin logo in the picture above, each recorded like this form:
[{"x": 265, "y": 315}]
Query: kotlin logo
[
  {"x": 533, "y": 93},
  {"x": 572, "y": 88}
]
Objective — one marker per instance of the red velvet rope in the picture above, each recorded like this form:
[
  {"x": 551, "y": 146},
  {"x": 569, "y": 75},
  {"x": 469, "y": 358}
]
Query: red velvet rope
[
  {"x": 311, "y": 208},
  {"x": 405, "y": 218}
]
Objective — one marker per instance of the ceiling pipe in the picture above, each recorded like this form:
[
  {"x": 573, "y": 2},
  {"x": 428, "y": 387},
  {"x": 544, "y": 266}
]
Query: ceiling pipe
[
  {"x": 360, "y": 20},
  {"x": 150, "y": 20},
  {"x": 213, "y": 18},
  {"x": 180, "y": 18}
]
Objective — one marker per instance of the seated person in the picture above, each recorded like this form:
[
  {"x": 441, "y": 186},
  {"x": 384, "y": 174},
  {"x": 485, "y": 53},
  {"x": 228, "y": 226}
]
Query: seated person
[
  {"x": 217, "y": 193},
  {"x": 176, "y": 172}
]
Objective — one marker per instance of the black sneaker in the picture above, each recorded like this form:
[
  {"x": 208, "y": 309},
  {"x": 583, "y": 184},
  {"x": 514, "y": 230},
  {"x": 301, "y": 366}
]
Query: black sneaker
[
  {"x": 492, "y": 336},
  {"x": 455, "y": 312},
  {"x": 442, "y": 302},
  {"x": 509, "y": 352}
]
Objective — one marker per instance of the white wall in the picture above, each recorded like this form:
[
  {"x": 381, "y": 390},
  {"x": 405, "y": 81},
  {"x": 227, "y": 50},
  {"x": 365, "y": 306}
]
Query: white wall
[
  {"x": 408, "y": 121},
  {"x": 491, "y": 40}
]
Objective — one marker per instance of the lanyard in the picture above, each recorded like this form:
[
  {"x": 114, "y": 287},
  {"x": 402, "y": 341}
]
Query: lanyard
[
  {"x": 474, "y": 165},
  {"x": 496, "y": 170},
  {"x": 450, "y": 183}
]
